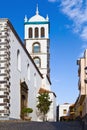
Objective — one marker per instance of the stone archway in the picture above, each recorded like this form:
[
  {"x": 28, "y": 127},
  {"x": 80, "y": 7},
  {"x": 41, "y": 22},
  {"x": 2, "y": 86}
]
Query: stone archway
[{"x": 24, "y": 97}]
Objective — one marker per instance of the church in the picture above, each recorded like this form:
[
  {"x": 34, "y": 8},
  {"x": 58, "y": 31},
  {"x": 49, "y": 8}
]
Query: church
[{"x": 25, "y": 68}]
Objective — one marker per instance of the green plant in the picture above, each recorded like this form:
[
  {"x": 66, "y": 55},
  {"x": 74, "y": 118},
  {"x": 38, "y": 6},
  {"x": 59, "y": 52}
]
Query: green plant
[
  {"x": 44, "y": 103},
  {"x": 27, "y": 110}
]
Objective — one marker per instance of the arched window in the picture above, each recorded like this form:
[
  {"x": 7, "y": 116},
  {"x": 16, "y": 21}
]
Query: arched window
[
  {"x": 37, "y": 61},
  {"x": 30, "y": 32},
  {"x": 36, "y": 32},
  {"x": 42, "y": 32},
  {"x": 28, "y": 72},
  {"x": 18, "y": 60},
  {"x": 36, "y": 47}
]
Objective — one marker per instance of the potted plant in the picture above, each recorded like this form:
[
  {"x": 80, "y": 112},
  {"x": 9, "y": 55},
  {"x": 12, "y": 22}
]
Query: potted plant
[{"x": 25, "y": 113}]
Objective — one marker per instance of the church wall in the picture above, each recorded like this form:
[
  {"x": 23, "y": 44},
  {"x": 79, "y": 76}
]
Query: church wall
[
  {"x": 46, "y": 83},
  {"x": 17, "y": 76},
  {"x": 52, "y": 112}
]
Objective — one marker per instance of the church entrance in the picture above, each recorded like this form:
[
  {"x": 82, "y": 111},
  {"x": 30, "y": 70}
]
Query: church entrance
[{"x": 24, "y": 97}]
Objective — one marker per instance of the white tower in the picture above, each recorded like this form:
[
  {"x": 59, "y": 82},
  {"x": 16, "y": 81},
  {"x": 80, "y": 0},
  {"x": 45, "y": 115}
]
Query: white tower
[{"x": 37, "y": 41}]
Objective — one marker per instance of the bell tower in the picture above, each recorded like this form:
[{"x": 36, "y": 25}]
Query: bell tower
[{"x": 36, "y": 31}]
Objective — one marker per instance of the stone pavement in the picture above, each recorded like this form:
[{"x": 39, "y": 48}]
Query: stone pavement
[{"x": 21, "y": 125}]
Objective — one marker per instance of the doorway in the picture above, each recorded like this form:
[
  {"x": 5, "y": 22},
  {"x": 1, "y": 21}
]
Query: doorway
[{"x": 24, "y": 97}]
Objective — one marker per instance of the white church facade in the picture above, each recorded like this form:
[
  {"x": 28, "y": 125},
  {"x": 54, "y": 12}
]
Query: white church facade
[{"x": 25, "y": 68}]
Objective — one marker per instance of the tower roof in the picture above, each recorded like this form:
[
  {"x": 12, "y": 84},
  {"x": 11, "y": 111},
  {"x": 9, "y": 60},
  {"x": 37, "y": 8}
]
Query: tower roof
[{"x": 37, "y": 17}]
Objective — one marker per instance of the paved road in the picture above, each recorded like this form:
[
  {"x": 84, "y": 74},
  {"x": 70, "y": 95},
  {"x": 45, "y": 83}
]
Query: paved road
[{"x": 20, "y": 125}]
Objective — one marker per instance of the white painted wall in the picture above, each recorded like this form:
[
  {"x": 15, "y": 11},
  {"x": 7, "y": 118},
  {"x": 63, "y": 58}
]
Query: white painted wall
[
  {"x": 61, "y": 108},
  {"x": 43, "y": 55},
  {"x": 51, "y": 116},
  {"x": 45, "y": 59},
  {"x": 34, "y": 83},
  {"x": 16, "y": 76}
]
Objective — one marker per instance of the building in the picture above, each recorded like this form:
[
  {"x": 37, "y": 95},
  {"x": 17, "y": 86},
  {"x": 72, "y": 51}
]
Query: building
[
  {"x": 63, "y": 111},
  {"x": 37, "y": 43},
  {"x": 82, "y": 86},
  {"x": 18, "y": 73},
  {"x": 72, "y": 112},
  {"x": 24, "y": 68}
]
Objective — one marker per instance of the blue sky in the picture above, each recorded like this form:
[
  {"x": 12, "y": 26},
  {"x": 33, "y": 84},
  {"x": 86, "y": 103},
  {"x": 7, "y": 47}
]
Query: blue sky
[{"x": 68, "y": 38}]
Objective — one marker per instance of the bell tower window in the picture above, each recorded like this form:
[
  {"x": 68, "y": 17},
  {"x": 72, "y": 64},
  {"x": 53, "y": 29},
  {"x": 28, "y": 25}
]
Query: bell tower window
[
  {"x": 37, "y": 61},
  {"x": 30, "y": 32},
  {"x": 42, "y": 32},
  {"x": 36, "y": 47},
  {"x": 36, "y": 32}
]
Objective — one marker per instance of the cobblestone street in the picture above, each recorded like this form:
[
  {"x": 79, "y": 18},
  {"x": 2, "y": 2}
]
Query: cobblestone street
[{"x": 20, "y": 125}]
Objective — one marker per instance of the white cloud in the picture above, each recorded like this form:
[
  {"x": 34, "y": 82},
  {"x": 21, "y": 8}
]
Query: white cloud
[
  {"x": 76, "y": 10},
  {"x": 52, "y": 0}
]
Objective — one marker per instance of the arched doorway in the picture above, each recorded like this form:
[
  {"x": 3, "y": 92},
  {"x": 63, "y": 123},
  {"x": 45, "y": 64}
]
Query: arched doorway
[{"x": 24, "y": 97}]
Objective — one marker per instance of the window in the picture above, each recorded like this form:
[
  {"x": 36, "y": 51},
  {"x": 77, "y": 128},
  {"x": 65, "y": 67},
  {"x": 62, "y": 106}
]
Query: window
[
  {"x": 36, "y": 47},
  {"x": 30, "y": 32},
  {"x": 37, "y": 61},
  {"x": 28, "y": 72},
  {"x": 42, "y": 32},
  {"x": 36, "y": 32},
  {"x": 64, "y": 111},
  {"x": 18, "y": 60}
]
